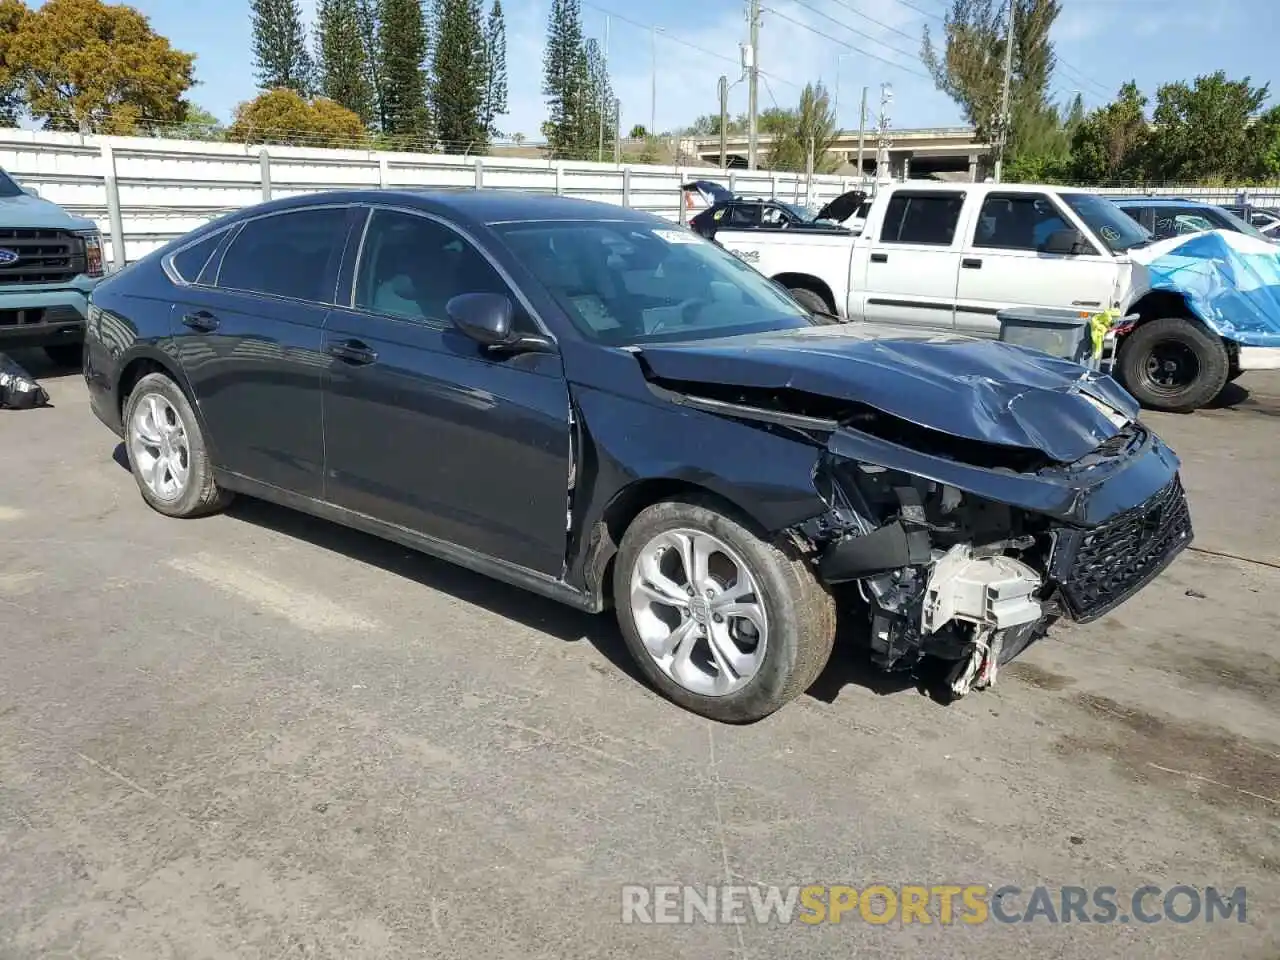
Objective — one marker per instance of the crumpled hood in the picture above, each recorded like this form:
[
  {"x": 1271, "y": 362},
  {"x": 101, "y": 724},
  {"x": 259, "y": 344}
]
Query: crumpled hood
[
  {"x": 30, "y": 212},
  {"x": 981, "y": 390}
]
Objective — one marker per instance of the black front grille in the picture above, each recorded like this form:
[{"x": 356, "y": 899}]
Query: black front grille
[
  {"x": 40, "y": 256},
  {"x": 1099, "y": 569}
]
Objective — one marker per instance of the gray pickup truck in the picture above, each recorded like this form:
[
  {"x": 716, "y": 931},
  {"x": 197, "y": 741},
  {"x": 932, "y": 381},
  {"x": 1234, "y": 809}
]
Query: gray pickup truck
[{"x": 49, "y": 262}]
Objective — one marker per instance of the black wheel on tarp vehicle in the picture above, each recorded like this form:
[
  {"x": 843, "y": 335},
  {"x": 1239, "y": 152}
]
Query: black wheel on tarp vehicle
[
  {"x": 720, "y": 619},
  {"x": 813, "y": 302},
  {"x": 1173, "y": 364},
  {"x": 65, "y": 354}
]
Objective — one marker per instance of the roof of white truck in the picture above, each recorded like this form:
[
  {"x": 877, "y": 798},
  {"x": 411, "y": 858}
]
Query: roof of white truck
[{"x": 982, "y": 187}]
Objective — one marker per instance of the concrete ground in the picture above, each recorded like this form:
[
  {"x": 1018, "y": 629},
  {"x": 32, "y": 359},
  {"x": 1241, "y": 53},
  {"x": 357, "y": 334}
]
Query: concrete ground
[{"x": 263, "y": 736}]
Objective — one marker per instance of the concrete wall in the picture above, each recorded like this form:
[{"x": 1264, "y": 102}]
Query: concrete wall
[{"x": 165, "y": 188}]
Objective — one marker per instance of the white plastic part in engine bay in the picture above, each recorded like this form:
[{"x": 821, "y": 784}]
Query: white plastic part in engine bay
[{"x": 996, "y": 592}]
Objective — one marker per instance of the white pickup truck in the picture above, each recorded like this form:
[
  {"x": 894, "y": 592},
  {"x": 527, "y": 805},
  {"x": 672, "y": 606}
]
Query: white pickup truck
[{"x": 947, "y": 257}]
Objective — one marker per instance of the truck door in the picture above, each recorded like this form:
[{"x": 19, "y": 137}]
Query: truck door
[
  {"x": 913, "y": 261},
  {"x": 1004, "y": 263}
]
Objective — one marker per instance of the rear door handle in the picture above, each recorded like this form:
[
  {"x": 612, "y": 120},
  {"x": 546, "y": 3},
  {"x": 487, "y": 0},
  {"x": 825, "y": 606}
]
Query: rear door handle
[
  {"x": 971, "y": 263},
  {"x": 201, "y": 320},
  {"x": 879, "y": 258},
  {"x": 352, "y": 351}
]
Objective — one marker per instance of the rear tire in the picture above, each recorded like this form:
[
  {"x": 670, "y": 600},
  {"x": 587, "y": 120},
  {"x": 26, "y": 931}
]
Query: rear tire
[
  {"x": 813, "y": 302},
  {"x": 167, "y": 452},
  {"x": 775, "y": 631},
  {"x": 65, "y": 354},
  {"x": 1173, "y": 364}
]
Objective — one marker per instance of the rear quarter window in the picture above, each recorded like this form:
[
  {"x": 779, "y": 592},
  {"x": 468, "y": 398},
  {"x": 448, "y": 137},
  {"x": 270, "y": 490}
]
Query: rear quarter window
[{"x": 188, "y": 264}]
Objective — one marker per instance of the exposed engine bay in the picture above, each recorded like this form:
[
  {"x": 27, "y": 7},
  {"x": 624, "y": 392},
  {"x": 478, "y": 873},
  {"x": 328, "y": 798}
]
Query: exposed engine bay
[{"x": 965, "y": 551}]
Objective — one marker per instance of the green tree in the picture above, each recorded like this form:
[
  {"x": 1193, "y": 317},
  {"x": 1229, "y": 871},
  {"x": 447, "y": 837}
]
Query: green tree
[
  {"x": 368, "y": 16},
  {"x": 810, "y": 126},
  {"x": 600, "y": 123},
  {"x": 1111, "y": 142},
  {"x": 12, "y": 14},
  {"x": 1266, "y": 135},
  {"x": 638, "y": 132},
  {"x": 495, "y": 77},
  {"x": 280, "y": 56},
  {"x": 342, "y": 62},
  {"x": 970, "y": 69},
  {"x": 199, "y": 124},
  {"x": 402, "y": 40},
  {"x": 564, "y": 77},
  {"x": 1201, "y": 131},
  {"x": 461, "y": 69},
  {"x": 85, "y": 61},
  {"x": 283, "y": 116}
]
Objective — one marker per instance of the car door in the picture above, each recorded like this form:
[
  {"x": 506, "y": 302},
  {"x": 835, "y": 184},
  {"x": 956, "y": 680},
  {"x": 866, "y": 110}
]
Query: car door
[
  {"x": 426, "y": 429},
  {"x": 912, "y": 266},
  {"x": 248, "y": 337},
  {"x": 1004, "y": 263}
]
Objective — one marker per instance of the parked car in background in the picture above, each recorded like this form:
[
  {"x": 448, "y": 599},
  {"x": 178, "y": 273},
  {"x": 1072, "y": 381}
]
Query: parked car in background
[
  {"x": 948, "y": 257},
  {"x": 49, "y": 262},
  {"x": 603, "y": 408},
  {"x": 1265, "y": 219},
  {"x": 1166, "y": 217},
  {"x": 757, "y": 213}
]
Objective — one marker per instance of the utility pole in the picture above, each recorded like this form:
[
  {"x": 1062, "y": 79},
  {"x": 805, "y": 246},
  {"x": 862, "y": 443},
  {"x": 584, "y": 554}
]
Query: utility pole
[
  {"x": 882, "y": 129},
  {"x": 808, "y": 173},
  {"x": 751, "y": 60},
  {"x": 604, "y": 107},
  {"x": 724, "y": 118},
  {"x": 1002, "y": 134},
  {"x": 653, "y": 89},
  {"x": 617, "y": 131},
  {"x": 862, "y": 135}
]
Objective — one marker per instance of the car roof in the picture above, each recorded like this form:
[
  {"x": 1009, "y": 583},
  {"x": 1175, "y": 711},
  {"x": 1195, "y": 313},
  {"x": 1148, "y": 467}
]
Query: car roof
[
  {"x": 484, "y": 206},
  {"x": 1161, "y": 201}
]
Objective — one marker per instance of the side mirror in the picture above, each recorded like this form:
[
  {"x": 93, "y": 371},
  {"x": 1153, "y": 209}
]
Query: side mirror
[
  {"x": 1066, "y": 242},
  {"x": 486, "y": 318}
]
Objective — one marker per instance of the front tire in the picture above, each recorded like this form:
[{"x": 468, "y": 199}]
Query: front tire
[
  {"x": 720, "y": 620},
  {"x": 813, "y": 302},
  {"x": 1173, "y": 364},
  {"x": 167, "y": 451}
]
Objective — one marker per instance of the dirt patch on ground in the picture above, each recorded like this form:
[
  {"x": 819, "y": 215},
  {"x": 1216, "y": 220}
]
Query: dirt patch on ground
[
  {"x": 1218, "y": 768},
  {"x": 1257, "y": 677},
  {"x": 1039, "y": 677}
]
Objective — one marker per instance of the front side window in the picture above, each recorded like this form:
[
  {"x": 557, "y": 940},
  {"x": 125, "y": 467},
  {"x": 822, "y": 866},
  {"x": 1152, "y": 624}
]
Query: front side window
[
  {"x": 744, "y": 215},
  {"x": 8, "y": 186},
  {"x": 1116, "y": 228},
  {"x": 411, "y": 267},
  {"x": 287, "y": 254},
  {"x": 924, "y": 218},
  {"x": 630, "y": 282},
  {"x": 1017, "y": 221}
]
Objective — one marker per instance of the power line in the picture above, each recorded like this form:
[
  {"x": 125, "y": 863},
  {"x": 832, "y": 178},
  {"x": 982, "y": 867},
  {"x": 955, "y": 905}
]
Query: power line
[
  {"x": 878, "y": 23},
  {"x": 845, "y": 26},
  {"x": 848, "y": 46}
]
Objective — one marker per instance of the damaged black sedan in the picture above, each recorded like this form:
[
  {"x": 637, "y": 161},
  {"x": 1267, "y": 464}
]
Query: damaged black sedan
[{"x": 598, "y": 406}]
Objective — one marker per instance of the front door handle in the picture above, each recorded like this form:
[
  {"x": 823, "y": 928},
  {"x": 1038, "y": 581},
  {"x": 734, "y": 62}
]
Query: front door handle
[
  {"x": 879, "y": 258},
  {"x": 971, "y": 263},
  {"x": 352, "y": 351},
  {"x": 201, "y": 320}
]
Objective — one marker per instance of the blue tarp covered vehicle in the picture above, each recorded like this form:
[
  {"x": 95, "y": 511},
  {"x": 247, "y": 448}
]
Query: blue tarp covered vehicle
[{"x": 1212, "y": 311}]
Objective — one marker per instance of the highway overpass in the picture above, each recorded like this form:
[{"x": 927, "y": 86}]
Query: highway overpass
[{"x": 912, "y": 153}]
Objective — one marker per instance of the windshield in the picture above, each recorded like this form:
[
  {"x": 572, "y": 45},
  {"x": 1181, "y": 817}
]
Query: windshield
[
  {"x": 1118, "y": 230},
  {"x": 1227, "y": 220},
  {"x": 8, "y": 188},
  {"x": 624, "y": 282}
]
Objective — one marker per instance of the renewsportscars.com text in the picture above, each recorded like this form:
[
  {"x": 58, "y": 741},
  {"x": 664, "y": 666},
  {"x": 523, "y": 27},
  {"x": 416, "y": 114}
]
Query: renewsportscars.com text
[{"x": 945, "y": 904}]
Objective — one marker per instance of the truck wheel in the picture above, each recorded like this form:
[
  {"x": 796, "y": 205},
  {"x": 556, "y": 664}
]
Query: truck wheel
[
  {"x": 718, "y": 618},
  {"x": 65, "y": 354},
  {"x": 167, "y": 452},
  {"x": 813, "y": 302},
  {"x": 1173, "y": 364}
]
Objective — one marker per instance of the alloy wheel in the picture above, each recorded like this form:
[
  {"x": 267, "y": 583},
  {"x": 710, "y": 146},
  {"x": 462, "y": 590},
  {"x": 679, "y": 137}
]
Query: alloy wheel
[
  {"x": 159, "y": 447},
  {"x": 698, "y": 611}
]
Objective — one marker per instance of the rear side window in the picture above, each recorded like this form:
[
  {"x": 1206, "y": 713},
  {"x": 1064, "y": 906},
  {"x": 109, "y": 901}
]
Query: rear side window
[
  {"x": 287, "y": 255},
  {"x": 926, "y": 218},
  {"x": 744, "y": 215},
  {"x": 189, "y": 263}
]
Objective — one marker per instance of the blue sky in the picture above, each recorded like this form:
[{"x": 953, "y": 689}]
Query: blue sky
[{"x": 1103, "y": 43}]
